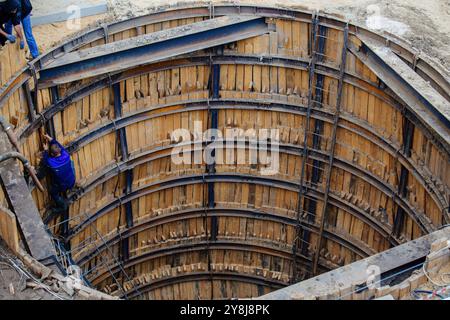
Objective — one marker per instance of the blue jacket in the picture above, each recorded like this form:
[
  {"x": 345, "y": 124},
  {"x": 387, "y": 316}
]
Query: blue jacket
[{"x": 61, "y": 168}]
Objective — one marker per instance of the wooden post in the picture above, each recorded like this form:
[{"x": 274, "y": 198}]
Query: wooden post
[{"x": 332, "y": 151}]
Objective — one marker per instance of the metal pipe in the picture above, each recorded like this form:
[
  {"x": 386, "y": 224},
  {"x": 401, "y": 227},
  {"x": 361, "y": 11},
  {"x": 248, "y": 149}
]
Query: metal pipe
[
  {"x": 9, "y": 132},
  {"x": 13, "y": 139},
  {"x": 26, "y": 164}
]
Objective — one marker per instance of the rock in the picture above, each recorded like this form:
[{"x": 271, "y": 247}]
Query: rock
[
  {"x": 31, "y": 284},
  {"x": 12, "y": 291},
  {"x": 69, "y": 290},
  {"x": 45, "y": 273}
]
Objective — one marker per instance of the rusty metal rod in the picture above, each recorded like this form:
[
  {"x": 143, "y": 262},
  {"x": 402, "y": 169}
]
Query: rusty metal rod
[
  {"x": 9, "y": 132},
  {"x": 26, "y": 164},
  {"x": 12, "y": 138}
]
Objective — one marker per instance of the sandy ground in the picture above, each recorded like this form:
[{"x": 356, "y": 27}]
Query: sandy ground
[
  {"x": 424, "y": 23},
  {"x": 48, "y": 36}
]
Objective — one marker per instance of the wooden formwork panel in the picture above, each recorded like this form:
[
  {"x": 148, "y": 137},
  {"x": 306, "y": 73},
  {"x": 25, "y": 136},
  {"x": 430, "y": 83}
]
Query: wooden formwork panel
[
  {"x": 434, "y": 162},
  {"x": 369, "y": 134},
  {"x": 205, "y": 290},
  {"x": 15, "y": 109},
  {"x": 3, "y": 200},
  {"x": 94, "y": 156},
  {"x": 12, "y": 60},
  {"x": 44, "y": 100},
  {"x": 363, "y": 153},
  {"x": 159, "y": 88},
  {"x": 165, "y": 86},
  {"x": 157, "y": 131},
  {"x": 271, "y": 200},
  {"x": 221, "y": 261},
  {"x": 9, "y": 231},
  {"x": 84, "y": 115},
  {"x": 94, "y": 199}
]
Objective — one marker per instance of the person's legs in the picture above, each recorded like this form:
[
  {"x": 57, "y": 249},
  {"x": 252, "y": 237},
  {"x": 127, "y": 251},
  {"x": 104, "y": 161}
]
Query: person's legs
[
  {"x": 60, "y": 202},
  {"x": 27, "y": 29},
  {"x": 61, "y": 207}
]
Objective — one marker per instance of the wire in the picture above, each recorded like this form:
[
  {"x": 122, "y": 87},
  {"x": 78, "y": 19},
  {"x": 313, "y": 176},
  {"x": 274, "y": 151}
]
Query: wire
[
  {"x": 430, "y": 279},
  {"x": 384, "y": 279},
  {"x": 117, "y": 262},
  {"x": 22, "y": 271},
  {"x": 432, "y": 293}
]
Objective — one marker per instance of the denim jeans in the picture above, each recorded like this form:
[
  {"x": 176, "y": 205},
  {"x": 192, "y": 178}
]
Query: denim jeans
[{"x": 27, "y": 30}]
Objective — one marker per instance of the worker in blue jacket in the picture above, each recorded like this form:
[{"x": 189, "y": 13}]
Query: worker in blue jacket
[{"x": 56, "y": 161}]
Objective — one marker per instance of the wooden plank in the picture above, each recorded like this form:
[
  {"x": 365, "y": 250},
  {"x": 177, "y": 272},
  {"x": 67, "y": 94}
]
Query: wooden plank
[{"x": 8, "y": 229}]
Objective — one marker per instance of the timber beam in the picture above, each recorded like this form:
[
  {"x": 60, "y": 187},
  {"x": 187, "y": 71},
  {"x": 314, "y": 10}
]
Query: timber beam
[
  {"x": 205, "y": 244},
  {"x": 332, "y": 151},
  {"x": 169, "y": 183},
  {"x": 273, "y": 105},
  {"x": 207, "y": 276},
  {"x": 357, "y": 246},
  {"x": 151, "y": 48},
  {"x": 193, "y": 60},
  {"x": 419, "y": 96},
  {"x": 388, "y": 263},
  {"x": 291, "y": 149}
]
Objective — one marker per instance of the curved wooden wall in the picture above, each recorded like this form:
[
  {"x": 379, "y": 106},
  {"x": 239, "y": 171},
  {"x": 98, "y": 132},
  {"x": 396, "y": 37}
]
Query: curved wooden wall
[{"x": 144, "y": 222}]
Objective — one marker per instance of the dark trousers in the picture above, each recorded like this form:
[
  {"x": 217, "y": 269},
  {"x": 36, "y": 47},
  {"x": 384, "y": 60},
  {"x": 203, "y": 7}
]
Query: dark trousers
[
  {"x": 61, "y": 206},
  {"x": 58, "y": 198},
  {"x": 2, "y": 37}
]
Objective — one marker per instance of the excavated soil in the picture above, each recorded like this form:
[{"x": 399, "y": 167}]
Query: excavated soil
[{"x": 423, "y": 23}]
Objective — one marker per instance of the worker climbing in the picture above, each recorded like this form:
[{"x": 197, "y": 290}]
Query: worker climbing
[{"x": 58, "y": 164}]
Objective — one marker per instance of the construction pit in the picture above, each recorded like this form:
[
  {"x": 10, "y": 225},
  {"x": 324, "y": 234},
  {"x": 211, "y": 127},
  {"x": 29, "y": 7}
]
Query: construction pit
[{"x": 226, "y": 151}]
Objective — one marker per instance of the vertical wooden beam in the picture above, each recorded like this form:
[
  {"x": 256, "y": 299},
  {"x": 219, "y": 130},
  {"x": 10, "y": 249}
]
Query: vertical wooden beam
[
  {"x": 400, "y": 214},
  {"x": 407, "y": 137},
  {"x": 332, "y": 150},
  {"x": 35, "y": 95},
  {"x": 128, "y": 206},
  {"x": 317, "y": 102},
  {"x": 49, "y": 125},
  {"x": 124, "y": 249},
  {"x": 50, "y": 129},
  {"x": 121, "y": 133},
  {"x": 302, "y": 191},
  {"x": 211, "y": 168},
  {"x": 30, "y": 105}
]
